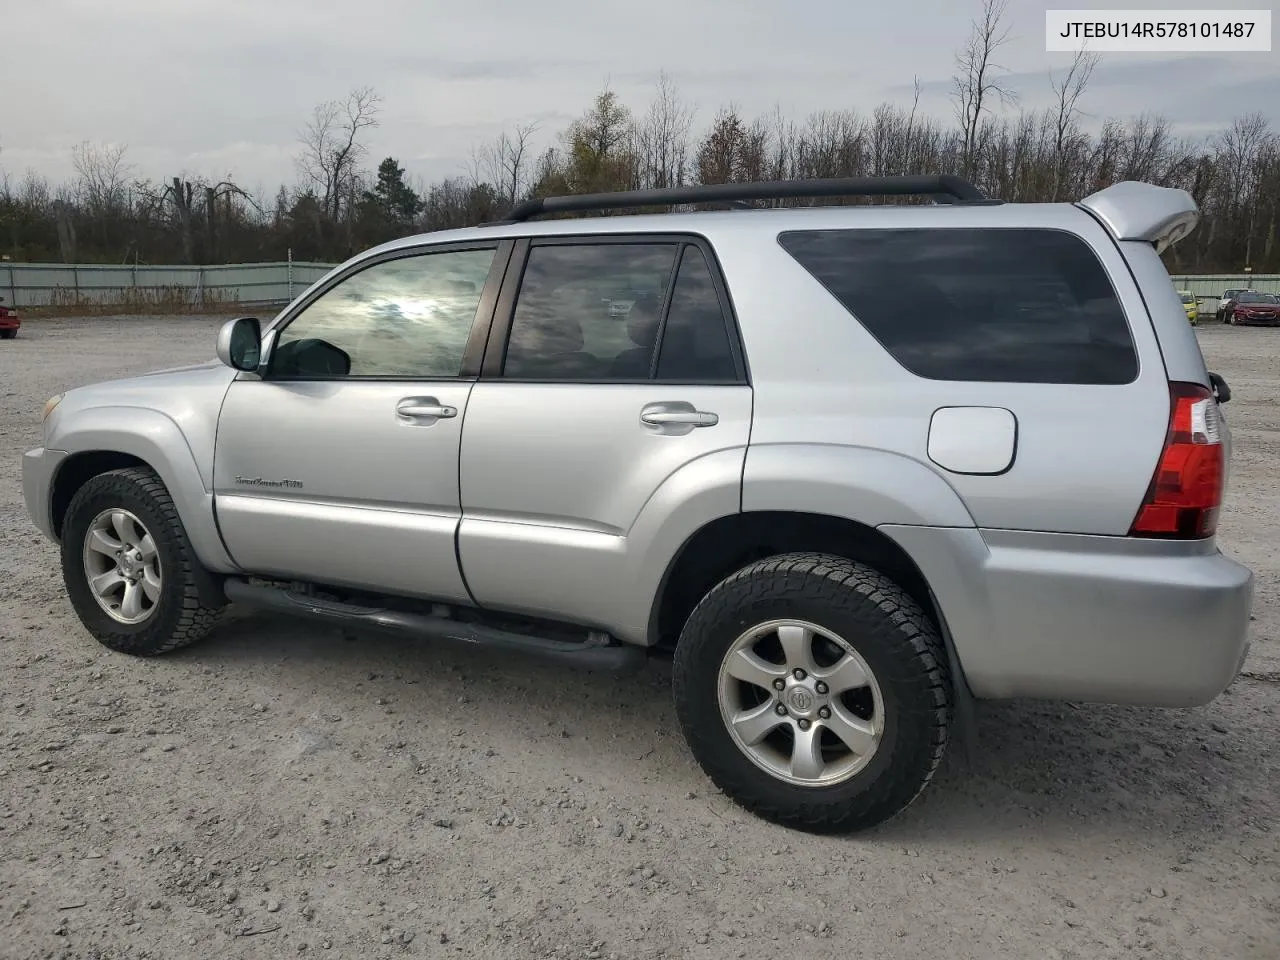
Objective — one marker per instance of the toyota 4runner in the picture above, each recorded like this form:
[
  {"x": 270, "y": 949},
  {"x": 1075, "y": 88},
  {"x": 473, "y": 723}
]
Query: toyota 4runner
[{"x": 850, "y": 466}]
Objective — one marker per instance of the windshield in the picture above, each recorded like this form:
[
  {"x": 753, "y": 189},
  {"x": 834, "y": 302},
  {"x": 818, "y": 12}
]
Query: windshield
[
  {"x": 1258, "y": 298},
  {"x": 1230, "y": 294},
  {"x": 1186, "y": 297}
]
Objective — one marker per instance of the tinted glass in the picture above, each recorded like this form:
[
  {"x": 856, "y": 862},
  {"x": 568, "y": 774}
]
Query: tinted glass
[
  {"x": 1256, "y": 298},
  {"x": 589, "y": 311},
  {"x": 695, "y": 341},
  {"x": 1025, "y": 306},
  {"x": 407, "y": 318}
]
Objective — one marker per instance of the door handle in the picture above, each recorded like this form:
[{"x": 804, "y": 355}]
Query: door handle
[
  {"x": 424, "y": 408},
  {"x": 691, "y": 418}
]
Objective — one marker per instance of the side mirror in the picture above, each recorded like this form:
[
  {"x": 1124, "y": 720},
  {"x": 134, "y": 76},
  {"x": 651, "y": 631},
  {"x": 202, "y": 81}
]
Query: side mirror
[
  {"x": 240, "y": 343},
  {"x": 1221, "y": 391}
]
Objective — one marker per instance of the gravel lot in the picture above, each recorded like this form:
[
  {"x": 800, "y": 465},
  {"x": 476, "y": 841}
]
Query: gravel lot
[{"x": 279, "y": 791}]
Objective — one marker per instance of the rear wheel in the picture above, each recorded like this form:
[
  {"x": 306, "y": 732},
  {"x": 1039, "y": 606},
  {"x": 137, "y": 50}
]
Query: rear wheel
[
  {"x": 8, "y": 334},
  {"x": 128, "y": 566},
  {"x": 813, "y": 691}
]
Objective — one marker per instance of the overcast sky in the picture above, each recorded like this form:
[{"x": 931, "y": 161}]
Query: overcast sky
[{"x": 223, "y": 87}]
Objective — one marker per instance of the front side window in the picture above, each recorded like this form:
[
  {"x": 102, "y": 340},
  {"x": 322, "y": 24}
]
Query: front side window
[
  {"x": 1011, "y": 305},
  {"x": 408, "y": 318},
  {"x": 589, "y": 311}
]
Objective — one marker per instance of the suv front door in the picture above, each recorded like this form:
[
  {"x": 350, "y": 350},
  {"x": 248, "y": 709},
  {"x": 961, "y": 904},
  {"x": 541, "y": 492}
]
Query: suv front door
[
  {"x": 612, "y": 379},
  {"x": 338, "y": 464}
]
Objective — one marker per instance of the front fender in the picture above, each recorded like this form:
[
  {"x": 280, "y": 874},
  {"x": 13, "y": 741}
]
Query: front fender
[
  {"x": 872, "y": 487},
  {"x": 157, "y": 440}
]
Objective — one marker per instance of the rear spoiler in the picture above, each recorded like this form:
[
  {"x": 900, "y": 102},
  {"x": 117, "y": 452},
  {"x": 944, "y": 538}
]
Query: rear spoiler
[{"x": 1132, "y": 210}]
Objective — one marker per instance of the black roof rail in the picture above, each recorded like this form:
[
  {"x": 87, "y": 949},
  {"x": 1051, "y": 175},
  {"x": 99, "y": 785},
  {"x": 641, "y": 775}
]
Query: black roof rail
[{"x": 944, "y": 188}]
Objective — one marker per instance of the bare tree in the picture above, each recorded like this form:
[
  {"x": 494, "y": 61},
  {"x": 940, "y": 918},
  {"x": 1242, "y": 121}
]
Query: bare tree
[
  {"x": 506, "y": 162},
  {"x": 662, "y": 138},
  {"x": 332, "y": 148},
  {"x": 975, "y": 83},
  {"x": 1068, "y": 92},
  {"x": 103, "y": 176},
  {"x": 908, "y": 148},
  {"x": 1247, "y": 149}
]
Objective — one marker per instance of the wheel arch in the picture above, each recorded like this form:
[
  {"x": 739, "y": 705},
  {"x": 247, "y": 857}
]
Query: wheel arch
[
  {"x": 729, "y": 543},
  {"x": 77, "y": 470},
  {"x": 109, "y": 438}
]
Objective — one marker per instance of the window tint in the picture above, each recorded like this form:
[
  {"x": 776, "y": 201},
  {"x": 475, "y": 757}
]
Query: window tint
[
  {"x": 695, "y": 342},
  {"x": 589, "y": 311},
  {"x": 1026, "y": 306},
  {"x": 408, "y": 318}
]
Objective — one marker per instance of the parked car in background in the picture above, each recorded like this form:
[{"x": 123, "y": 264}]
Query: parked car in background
[
  {"x": 1191, "y": 305},
  {"x": 843, "y": 516},
  {"x": 1227, "y": 297},
  {"x": 1254, "y": 309},
  {"x": 9, "y": 321}
]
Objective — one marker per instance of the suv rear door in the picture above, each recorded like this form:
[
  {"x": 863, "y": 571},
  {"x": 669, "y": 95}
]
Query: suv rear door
[{"x": 614, "y": 364}]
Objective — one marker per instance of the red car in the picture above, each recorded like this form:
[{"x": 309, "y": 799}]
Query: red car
[
  {"x": 9, "y": 321},
  {"x": 1250, "y": 307}
]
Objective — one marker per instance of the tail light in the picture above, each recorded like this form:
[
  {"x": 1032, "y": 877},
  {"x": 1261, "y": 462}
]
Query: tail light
[{"x": 1185, "y": 495}]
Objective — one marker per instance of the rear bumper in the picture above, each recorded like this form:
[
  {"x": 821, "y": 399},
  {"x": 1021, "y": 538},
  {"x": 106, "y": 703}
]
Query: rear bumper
[
  {"x": 38, "y": 468},
  {"x": 10, "y": 323},
  {"x": 1104, "y": 619}
]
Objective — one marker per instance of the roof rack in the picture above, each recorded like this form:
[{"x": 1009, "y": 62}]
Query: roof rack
[{"x": 944, "y": 188}]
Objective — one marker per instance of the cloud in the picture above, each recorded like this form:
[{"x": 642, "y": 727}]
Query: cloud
[{"x": 225, "y": 86}]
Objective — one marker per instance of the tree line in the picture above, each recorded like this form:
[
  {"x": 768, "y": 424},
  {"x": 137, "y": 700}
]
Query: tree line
[{"x": 339, "y": 205}]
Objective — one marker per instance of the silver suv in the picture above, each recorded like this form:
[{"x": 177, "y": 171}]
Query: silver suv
[{"x": 850, "y": 466}]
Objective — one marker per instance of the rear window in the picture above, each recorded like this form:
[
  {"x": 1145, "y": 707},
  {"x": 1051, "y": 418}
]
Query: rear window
[{"x": 1012, "y": 305}]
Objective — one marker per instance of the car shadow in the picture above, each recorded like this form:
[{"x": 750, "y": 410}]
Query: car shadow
[{"x": 1046, "y": 769}]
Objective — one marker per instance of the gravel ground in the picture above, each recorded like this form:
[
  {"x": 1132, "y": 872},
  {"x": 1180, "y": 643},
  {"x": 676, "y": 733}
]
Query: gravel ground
[{"x": 280, "y": 791}]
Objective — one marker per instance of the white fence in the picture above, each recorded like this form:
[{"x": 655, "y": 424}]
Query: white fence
[{"x": 69, "y": 284}]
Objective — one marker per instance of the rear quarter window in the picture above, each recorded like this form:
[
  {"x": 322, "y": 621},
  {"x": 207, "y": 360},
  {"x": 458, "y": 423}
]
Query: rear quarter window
[{"x": 1005, "y": 305}]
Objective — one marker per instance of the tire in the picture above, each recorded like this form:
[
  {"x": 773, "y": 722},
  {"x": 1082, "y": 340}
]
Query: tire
[
  {"x": 8, "y": 334},
  {"x": 168, "y": 613},
  {"x": 871, "y": 622}
]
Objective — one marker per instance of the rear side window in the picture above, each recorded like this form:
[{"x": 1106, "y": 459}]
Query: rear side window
[
  {"x": 1011, "y": 305},
  {"x": 589, "y": 311},
  {"x": 695, "y": 342}
]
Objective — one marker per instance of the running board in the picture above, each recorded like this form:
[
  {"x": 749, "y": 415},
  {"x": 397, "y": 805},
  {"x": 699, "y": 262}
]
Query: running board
[{"x": 604, "y": 656}]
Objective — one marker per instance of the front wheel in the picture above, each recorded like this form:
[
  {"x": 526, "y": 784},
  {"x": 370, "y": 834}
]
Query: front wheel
[
  {"x": 814, "y": 692},
  {"x": 128, "y": 566}
]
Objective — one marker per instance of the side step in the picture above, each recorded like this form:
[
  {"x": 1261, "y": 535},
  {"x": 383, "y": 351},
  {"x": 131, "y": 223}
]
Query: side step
[{"x": 605, "y": 656}]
